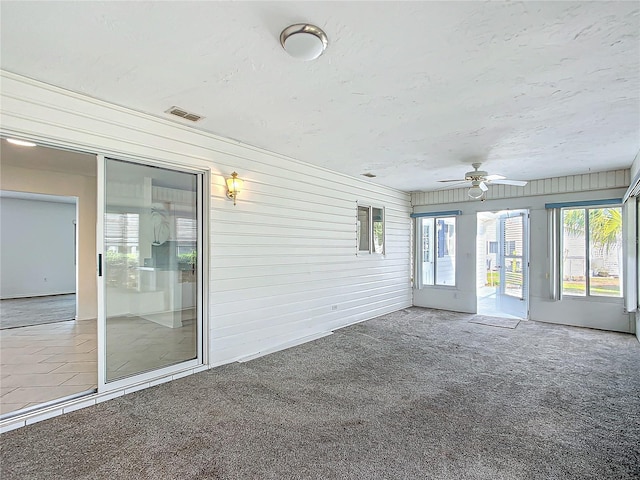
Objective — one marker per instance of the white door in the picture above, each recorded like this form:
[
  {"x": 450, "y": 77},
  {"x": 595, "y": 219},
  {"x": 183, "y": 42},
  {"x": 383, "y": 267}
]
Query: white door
[
  {"x": 513, "y": 263},
  {"x": 150, "y": 275}
]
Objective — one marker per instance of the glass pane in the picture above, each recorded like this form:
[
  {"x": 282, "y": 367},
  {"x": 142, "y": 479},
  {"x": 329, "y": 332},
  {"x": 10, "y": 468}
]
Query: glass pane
[
  {"x": 363, "y": 229},
  {"x": 605, "y": 252},
  {"x": 150, "y": 268},
  {"x": 513, "y": 256},
  {"x": 378, "y": 230},
  {"x": 446, "y": 251},
  {"x": 574, "y": 263},
  {"x": 427, "y": 251}
]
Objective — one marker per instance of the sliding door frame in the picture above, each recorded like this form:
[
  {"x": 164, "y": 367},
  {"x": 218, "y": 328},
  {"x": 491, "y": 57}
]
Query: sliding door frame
[{"x": 145, "y": 379}]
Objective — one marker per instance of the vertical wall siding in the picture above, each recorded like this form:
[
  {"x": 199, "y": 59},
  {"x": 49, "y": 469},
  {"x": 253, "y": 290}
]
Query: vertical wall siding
[
  {"x": 283, "y": 262},
  {"x": 544, "y": 186}
]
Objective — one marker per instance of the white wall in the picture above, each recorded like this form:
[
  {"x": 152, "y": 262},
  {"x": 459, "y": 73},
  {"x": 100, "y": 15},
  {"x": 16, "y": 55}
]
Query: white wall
[
  {"x": 84, "y": 189},
  {"x": 283, "y": 263},
  {"x": 37, "y": 248},
  {"x": 635, "y": 166},
  {"x": 589, "y": 312},
  {"x": 635, "y": 170}
]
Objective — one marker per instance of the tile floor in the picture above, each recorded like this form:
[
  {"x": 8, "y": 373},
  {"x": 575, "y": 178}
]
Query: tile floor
[
  {"x": 42, "y": 363},
  {"x": 487, "y": 303}
]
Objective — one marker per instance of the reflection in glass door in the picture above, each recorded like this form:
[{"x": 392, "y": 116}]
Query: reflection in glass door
[
  {"x": 512, "y": 264},
  {"x": 151, "y": 275}
]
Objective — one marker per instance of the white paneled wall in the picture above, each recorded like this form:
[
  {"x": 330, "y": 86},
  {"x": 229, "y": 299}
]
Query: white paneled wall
[
  {"x": 544, "y": 186},
  {"x": 285, "y": 258},
  {"x": 283, "y": 263}
]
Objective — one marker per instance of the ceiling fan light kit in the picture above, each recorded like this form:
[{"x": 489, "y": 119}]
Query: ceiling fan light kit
[{"x": 475, "y": 191}]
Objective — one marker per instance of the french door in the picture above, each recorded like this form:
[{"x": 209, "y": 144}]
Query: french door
[
  {"x": 513, "y": 263},
  {"x": 149, "y": 271}
]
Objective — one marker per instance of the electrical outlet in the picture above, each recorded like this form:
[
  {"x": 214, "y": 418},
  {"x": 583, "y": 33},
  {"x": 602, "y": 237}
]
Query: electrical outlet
[{"x": 334, "y": 308}]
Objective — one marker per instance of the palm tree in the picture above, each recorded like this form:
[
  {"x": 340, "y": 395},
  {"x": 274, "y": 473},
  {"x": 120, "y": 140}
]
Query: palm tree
[
  {"x": 605, "y": 239},
  {"x": 605, "y": 225}
]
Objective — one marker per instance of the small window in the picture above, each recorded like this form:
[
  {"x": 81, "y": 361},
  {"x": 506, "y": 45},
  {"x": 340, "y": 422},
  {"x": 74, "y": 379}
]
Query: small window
[
  {"x": 370, "y": 230},
  {"x": 377, "y": 217},
  {"x": 592, "y": 252},
  {"x": 363, "y": 229},
  {"x": 437, "y": 255}
]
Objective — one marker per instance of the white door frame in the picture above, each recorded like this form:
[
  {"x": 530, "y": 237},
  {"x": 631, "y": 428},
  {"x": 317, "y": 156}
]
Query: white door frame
[{"x": 202, "y": 297}]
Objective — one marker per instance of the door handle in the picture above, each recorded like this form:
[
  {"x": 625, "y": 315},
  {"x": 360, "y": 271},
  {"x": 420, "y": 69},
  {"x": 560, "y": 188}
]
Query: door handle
[{"x": 99, "y": 264}]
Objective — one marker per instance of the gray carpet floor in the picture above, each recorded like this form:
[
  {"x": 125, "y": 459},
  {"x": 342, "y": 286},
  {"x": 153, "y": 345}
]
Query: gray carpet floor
[
  {"x": 23, "y": 312},
  {"x": 417, "y": 394}
]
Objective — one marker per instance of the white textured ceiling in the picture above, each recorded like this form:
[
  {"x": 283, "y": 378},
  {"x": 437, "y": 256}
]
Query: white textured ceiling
[{"x": 411, "y": 91}]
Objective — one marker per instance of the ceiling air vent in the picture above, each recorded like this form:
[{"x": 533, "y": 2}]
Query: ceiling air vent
[{"x": 179, "y": 112}]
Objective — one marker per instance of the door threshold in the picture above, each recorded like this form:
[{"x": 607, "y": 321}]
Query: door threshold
[
  {"x": 41, "y": 406},
  {"x": 44, "y": 411}
]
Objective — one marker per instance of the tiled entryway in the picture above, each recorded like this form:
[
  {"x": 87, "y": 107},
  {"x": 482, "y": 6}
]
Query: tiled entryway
[
  {"x": 42, "y": 363},
  {"x": 487, "y": 304}
]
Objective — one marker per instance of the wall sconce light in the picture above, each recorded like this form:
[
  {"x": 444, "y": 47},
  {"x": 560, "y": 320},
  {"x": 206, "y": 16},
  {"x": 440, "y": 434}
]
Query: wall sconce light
[{"x": 234, "y": 185}]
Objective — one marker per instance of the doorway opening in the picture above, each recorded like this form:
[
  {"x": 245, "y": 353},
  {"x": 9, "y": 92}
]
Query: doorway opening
[
  {"x": 502, "y": 253},
  {"x": 48, "y": 340}
]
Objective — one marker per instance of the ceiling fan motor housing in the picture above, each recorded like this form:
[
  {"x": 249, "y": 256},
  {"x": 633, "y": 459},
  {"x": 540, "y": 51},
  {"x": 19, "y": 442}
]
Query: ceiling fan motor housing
[{"x": 475, "y": 175}]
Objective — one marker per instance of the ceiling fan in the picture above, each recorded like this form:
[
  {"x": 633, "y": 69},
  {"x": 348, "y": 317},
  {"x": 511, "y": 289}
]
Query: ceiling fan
[{"x": 479, "y": 180}]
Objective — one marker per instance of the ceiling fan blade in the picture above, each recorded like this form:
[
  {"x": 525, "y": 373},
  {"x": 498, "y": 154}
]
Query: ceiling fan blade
[
  {"x": 461, "y": 183},
  {"x": 483, "y": 186},
  {"x": 491, "y": 178},
  {"x": 516, "y": 183},
  {"x": 456, "y": 180}
]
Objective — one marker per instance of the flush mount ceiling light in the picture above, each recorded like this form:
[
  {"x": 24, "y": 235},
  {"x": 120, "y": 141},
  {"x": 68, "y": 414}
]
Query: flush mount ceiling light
[
  {"x": 22, "y": 143},
  {"x": 303, "y": 41}
]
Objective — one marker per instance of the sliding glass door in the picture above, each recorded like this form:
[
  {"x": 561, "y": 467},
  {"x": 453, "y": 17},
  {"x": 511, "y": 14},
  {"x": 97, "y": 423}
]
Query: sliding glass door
[{"x": 150, "y": 269}]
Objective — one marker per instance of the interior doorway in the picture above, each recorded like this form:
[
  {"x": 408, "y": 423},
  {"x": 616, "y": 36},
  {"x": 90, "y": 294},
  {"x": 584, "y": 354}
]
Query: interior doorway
[
  {"x": 502, "y": 253},
  {"x": 48, "y": 298},
  {"x": 36, "y": 286}
]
